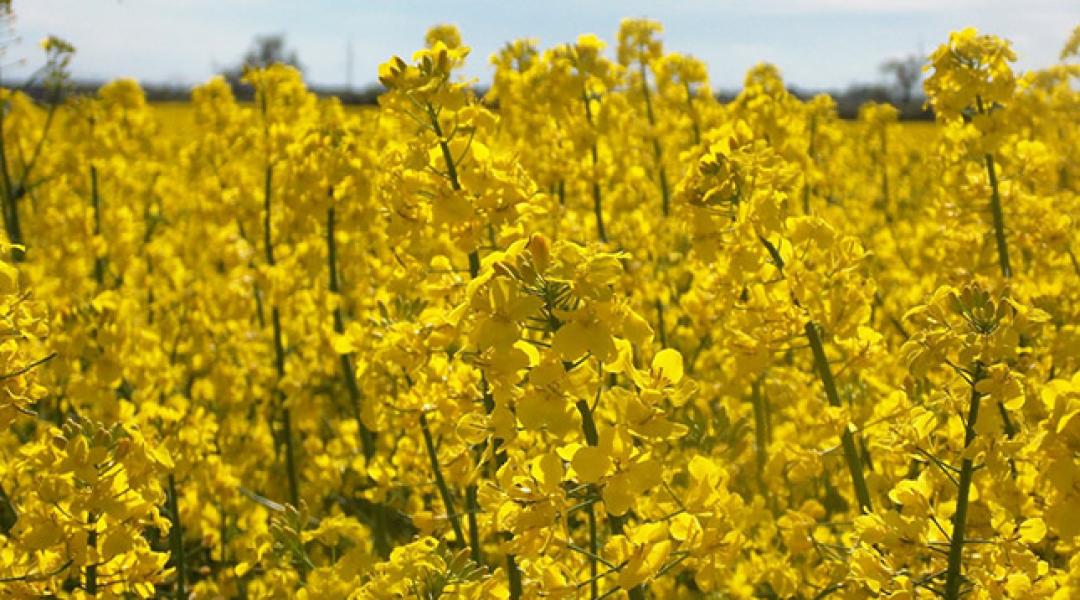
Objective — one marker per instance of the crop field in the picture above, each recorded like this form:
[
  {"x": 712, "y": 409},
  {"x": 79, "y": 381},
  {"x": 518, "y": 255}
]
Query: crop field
[{"x": 590, "y": 334}]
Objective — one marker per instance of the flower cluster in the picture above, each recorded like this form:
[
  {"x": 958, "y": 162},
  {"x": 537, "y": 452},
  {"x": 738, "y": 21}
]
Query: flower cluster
[{"x": 593, "y": 333}]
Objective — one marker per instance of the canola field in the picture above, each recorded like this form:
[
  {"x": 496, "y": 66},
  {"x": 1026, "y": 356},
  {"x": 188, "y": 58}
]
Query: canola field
[{"x": 591, "y": 335}]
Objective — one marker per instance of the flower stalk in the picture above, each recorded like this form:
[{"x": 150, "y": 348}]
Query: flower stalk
[
  {"x": 954, "y": 575},
  {"x": 847, "y": 438},
  {"x": 279, "y": 347},
  {"x": 176, "y": 540}
]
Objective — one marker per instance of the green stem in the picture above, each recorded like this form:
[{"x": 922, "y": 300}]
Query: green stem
[
  {"x": 268, "y": 242},
  {"x": 36, "y": 154},
  {"x": 760, "y": 435},
  {"x": 444, "y": 147},
  {"x": 592, "y": 438},
  {"x": 451, "y": 168},
  {"x": 847, "y": 438},
  {"x": 515, "y": 577},
  {"x": 91, "y": 543},
  {"x": 821, "y": 362},
  {"x": 954, "y": 575},
  {"x": 440, "y": 481},
  {"x": 999, "y": 219},
  {"x": 807, "y": 188},
  {"x": 588, "y": 424},
  {"x": 279, "y": 347},
  {"x": 658, "y": 150},
  {"x": 290, "y": 457},
  {"x": 693, "y": 114},
  {"x": 995, "y": 207},
  {"x": 345, "y": 361},
  {"x": 661, "y": 328},
  {"x": 1006, "y": 421},
  {"x": 176, "y": 539},
  {"x": 474, "y": 264},
  {"x": 95, "y": 202},
  {"x": 10, "y": 197},
  {"x": 223, "y": 533},
  {"x": 597, "y": 195},
  {"x": 594, "y": 550},
  {"x": 598, "y": 209},
  {"x": 472, "y": 506},
  {"x": 886, "y": 200},
  {"x": 8, "y": 516}
]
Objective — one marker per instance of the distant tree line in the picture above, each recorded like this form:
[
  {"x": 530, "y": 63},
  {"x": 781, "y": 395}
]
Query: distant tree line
[
  {"x": 902, "y": 91},
  {"x": 171, "y": 92}
]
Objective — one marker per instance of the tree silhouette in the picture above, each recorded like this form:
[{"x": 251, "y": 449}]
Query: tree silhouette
[
  {"x": 265, "y": 50},
  {"x": 906, "y": 73}
]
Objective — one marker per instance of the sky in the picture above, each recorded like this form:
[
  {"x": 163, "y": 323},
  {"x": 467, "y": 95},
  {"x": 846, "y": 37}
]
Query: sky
[{"x": 817, "y": 44}]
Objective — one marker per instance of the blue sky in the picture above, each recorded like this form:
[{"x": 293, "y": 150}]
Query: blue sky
[{"x": 816, "y": 43}]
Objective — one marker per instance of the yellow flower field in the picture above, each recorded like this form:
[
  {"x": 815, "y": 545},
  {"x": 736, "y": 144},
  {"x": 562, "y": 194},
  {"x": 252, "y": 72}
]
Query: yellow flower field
[{"x": 594, "y": 334}]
